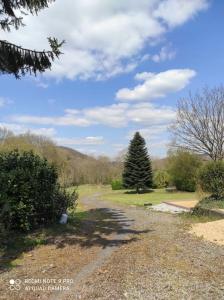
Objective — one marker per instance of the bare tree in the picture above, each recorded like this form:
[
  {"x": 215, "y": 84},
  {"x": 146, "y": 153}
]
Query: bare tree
[
  {"x": 4, "y": 133},
  {"x": 199, "y": 126}
]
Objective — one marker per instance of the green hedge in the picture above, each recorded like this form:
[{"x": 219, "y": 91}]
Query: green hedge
[
  {"x": 29, "y": 193},
  {"x": 183, "y": 168},
  {"x": 117, "y": 184},
  {"x": 160, "y": 179},
  {"x": 211, "y": 179}
]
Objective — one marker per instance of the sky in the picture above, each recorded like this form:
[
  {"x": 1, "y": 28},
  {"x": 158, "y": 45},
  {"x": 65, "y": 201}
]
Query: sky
[{"x": 124, "y": 66}]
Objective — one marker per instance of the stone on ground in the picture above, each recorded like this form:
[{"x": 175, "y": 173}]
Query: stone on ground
[{"x": 164, "y": 207}]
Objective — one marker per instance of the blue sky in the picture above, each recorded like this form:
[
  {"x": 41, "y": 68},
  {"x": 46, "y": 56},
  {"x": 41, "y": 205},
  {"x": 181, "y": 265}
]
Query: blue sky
[{"x": 125, "y": 64}]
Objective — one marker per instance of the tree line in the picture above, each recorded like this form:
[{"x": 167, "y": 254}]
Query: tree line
[{"x": 73, "y": 167}]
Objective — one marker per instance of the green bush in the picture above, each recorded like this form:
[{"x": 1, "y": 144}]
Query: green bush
[
  {"x": 183, "y": 169},
  {"x": 211, "y": 179},
  {"x": 209, "y": 207},
  {"x": 117, "y": 184},
  {"x": 160, "y": 179},
  {"x": 29, "y": 193}
]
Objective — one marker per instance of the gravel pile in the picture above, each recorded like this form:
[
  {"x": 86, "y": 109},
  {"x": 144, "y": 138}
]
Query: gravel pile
[{"x": 211, "y": 231}]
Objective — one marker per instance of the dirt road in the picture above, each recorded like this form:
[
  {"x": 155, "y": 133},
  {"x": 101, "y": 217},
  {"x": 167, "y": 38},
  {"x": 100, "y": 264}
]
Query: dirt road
[
  {"x": 133, "y": 253},
  {"x": 149, "y": 256}
]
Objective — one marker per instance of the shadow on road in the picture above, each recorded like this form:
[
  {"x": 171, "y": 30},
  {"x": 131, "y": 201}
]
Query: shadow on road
[{"x": 102, "y": 227}]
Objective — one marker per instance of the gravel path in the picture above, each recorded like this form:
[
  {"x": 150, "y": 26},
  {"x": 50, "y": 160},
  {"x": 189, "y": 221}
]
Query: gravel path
[
  {"x": 124, "y": 252},
  {"x": 116, "y": 234},
  {"x": 157, "y": 259}
]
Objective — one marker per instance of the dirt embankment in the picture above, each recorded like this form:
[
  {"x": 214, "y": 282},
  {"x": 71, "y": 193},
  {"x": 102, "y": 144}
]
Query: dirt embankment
[{"x": 211, "y": 231}]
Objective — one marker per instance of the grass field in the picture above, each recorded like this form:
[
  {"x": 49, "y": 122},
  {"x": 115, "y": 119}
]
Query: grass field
[
  {"x": 90, "y": 189},
  {"x": 123, "y": 197}
]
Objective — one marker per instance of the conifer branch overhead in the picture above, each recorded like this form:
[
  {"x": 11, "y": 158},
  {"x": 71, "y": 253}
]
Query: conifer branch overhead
[
  {"x": 33, "y": 6},
  {"x": 19, "y": 61},
  {"x": 9, "y": 18},
  {"x": 15, "y": 59}
]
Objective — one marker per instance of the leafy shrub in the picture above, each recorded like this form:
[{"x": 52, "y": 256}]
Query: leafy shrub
[
  {"x": 188, "y": 184},
  {"x": 211, "y": 179},
  {"x": 209, "y": 206},
  {"x": 117, "y": 184},
  {"x": 29, "y": 193},
  {"x": 183, "y": 168},
  {"x": 160, "y": 179},
  {"x": 211, "y": 203}
]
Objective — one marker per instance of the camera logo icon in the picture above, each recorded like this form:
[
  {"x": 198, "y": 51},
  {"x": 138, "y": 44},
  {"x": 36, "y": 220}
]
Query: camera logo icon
[{"x": 15, "y": 284}]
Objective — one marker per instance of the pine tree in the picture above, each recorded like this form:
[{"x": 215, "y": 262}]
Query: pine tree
[
  {"x": 15, "y": 59},
  {"x": 137, "y": 167}
]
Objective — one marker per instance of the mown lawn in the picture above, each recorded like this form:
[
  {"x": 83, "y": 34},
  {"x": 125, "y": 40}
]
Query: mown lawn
[
  {"x": 125, "y": 197},
  {"x": 86, "y": 190}
]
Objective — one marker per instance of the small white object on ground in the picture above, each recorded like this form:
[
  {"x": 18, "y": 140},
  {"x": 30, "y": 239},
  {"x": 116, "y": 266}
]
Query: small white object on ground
[
  {"x": 168, "y": 208},
  {"x": 63, "y": 219}
]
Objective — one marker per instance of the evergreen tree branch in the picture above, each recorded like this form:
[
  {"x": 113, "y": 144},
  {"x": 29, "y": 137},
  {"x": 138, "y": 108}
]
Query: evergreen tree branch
[
  {"x": 33, "y": 6},
  {"x": 8, "y": 7},
  {"x": 6, "y": 23},
  {"x": 15, "y": 59},
  {"x": 19, "y": 61}
]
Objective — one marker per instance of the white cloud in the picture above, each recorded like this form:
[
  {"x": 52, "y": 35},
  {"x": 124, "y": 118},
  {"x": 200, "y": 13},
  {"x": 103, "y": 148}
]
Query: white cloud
[
  {"x": 103, "y": 38},
  {"x": 15, "y": 128},
  {"x": 5, "y": 101},
  {"x": 177, "y": 12},
  {"x": 116, "y": 115},
  {"x": 21, "y": 129},
  {"x": 159, "y": 148},
  {"x": 155, "y": 137},
  {"x": 49, "y": 132},
  {"x": 52, "y": 133},
  {"x": 157, "y": 142},
  {"x": 113, "y": 115},
  {"x": 66, "y": 120},
  {"x": 156, "y": 85},
  {"x": 119, "y": 147},
  {"x": 150, "y": 133},
  {"x": 89, "y": 140},
  {"x": 166, "y": 53},
  {"x": 145, "y": 113},
  {"x": 42, "y": 84}
]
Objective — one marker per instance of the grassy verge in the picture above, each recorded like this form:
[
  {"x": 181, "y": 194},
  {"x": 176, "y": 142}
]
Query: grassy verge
[
  {"x": 197, "y": 218},
  {"x": 14, "y": 244},
  {"x": 86, "y": 190},
  {"x": 203, "y": 213},
  {"x": 208, "y": 203},
  {"x": 128, "y": 198},
  {"x": 154, "y": 197}
]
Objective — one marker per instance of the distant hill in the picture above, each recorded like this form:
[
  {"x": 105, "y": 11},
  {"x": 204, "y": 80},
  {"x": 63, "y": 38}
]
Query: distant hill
[{"x": 73, "y": 154}]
